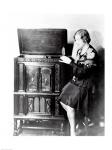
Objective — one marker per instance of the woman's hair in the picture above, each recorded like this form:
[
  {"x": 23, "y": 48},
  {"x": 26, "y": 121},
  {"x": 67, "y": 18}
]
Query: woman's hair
[{"x": 84, "y": 34}]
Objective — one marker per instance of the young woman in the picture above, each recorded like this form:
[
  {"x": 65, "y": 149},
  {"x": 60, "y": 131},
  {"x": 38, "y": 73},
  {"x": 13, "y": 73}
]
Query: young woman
[{"x": 76, "y": 92}]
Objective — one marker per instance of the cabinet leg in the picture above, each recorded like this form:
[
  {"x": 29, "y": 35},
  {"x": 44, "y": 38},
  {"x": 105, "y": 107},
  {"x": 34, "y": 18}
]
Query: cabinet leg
[
  {"x": 62, "y": 129},
  {"x": 20, "y": 126},
  {"x": 15, "y": 128}
]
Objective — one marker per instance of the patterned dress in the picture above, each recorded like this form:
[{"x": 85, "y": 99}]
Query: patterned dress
[{"x": 76, "y": 92}]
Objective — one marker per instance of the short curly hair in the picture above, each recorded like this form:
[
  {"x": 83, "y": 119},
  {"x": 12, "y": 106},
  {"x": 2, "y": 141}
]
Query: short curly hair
[{"x": 84, "y": 35}]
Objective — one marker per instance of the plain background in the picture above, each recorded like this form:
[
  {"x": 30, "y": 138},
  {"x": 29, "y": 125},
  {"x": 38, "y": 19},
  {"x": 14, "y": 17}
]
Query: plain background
[{"x": 68, "y": 14}]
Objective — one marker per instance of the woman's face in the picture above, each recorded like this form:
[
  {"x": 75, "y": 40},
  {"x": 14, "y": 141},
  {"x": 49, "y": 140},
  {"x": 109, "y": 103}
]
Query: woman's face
[{"x": 79, "y": 43}]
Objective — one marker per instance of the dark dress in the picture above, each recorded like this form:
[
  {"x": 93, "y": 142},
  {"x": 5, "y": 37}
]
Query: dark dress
[{"x": 76, "y": 92}]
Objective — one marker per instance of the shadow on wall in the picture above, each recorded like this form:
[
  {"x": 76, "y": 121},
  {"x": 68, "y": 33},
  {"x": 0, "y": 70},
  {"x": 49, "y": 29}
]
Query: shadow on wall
[
  {"x": 97, "y": 108},
  {"x": 97, "y": 42},
  {"x": 100, "y": 87}
]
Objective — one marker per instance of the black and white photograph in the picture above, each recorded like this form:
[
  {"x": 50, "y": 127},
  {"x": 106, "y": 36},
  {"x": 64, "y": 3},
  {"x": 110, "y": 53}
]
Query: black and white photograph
[
  {"x": 59, "y": 80},
  {"x": 59, "y": 86},
  {"x": 55, "y": 76}
]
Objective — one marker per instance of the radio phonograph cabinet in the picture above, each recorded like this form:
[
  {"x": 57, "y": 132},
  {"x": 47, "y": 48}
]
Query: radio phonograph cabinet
[{"x": 38, "y": 80}]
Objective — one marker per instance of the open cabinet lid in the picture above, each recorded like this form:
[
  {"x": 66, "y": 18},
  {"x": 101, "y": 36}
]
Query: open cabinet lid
[{"x": 42, "y": 41}]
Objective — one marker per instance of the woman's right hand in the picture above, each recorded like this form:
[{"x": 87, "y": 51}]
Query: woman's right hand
[
  {"x": 65, "y": 59},
  {"x": 74, "y": 50}
]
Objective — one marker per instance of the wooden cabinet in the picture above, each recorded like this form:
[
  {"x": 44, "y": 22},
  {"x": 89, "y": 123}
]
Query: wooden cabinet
[{"x": 38, "y": 80}]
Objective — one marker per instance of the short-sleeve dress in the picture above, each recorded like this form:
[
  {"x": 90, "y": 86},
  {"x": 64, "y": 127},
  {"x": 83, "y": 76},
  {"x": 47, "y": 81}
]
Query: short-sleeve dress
[{"x": 76, "y": 92}]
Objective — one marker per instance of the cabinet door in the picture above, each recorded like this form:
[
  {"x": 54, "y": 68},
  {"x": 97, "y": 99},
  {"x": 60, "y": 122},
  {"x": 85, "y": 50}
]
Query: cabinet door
[
  {"x": 47, "y": 79},
  {"x": 39, "y": 105},
  {"x": 33, "y": 76}
]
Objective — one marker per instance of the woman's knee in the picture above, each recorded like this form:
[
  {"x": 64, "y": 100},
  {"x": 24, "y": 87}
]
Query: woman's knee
[
  {"x": 63, "y": 105},
  {"x": 69, "y": 110}
]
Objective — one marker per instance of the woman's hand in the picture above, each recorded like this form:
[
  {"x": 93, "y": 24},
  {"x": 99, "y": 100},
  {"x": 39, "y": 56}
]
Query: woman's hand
[
  {"x": 65, "y": 59},
  {"x": 74, "y": 52}
]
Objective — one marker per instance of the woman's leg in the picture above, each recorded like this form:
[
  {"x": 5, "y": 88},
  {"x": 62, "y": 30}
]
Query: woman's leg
[{"x": 71, "y": 117}]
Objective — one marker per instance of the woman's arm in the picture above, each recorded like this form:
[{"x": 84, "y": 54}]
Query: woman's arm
[{"x": 82, "y": 70}]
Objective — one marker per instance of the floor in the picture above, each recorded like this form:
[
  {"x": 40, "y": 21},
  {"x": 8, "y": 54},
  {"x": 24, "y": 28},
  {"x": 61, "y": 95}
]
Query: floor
[{"x": 93, "y": 129}]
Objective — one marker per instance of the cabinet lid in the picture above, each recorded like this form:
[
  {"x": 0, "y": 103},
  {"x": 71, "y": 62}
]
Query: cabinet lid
[{"x": 42, "y": 41}]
